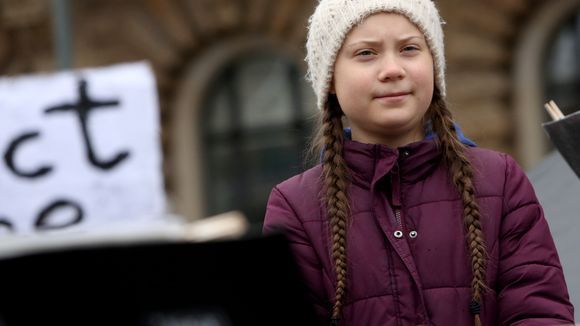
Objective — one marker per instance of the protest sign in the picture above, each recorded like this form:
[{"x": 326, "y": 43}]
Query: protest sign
[{"x": 79, "y": 149}]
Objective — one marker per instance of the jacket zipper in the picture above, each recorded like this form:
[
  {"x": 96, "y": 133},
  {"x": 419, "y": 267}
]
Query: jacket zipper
[
  {"x": 396, "y": 202},
  {"x": 398, "y": 217},
  {"x": 396, "y": 207},
  {"x": 396, "y": 197}
]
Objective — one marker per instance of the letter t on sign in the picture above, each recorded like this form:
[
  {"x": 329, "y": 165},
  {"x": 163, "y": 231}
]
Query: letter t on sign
[{"x": 83, "y": 107}]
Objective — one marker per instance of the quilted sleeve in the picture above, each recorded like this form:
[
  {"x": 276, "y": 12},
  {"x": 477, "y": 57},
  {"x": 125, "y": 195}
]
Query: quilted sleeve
[
  {"x": 531, "y": 285},
  {"x": 282, "y": 217}
]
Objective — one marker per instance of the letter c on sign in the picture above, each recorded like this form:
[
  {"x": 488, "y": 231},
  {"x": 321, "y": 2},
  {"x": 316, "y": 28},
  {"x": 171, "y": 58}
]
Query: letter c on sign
[{"x": 11, "y": 152}]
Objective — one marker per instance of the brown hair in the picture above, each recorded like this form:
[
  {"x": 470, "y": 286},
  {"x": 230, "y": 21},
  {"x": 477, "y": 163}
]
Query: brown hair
[{"x": 335, "y": 179}]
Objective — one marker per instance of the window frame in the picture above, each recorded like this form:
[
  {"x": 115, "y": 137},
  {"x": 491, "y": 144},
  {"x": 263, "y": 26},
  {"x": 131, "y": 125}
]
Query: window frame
[
  {"x": 237, "y": 135},
  {"x": 186, "y": 162}
]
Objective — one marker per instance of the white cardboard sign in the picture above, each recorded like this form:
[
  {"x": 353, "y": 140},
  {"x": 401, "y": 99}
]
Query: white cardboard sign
[{"x": 79, "y": 149}]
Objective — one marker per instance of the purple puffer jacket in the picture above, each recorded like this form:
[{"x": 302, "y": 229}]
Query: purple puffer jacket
[{"x": 423, "y": 277}]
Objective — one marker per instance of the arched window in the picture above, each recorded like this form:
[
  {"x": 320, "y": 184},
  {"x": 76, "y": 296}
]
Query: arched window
[
  {"x": 562, "y": 66},
  {"x": 254, "y": 130}
]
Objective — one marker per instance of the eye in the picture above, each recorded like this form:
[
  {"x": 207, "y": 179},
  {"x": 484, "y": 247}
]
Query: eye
[
  {"x": 410, "y": 48},
  {"x": 365, "y": 53}
]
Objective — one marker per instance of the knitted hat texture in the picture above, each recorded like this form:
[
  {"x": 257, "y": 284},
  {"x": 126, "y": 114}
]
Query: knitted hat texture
[{"x": 333, "y": 19}]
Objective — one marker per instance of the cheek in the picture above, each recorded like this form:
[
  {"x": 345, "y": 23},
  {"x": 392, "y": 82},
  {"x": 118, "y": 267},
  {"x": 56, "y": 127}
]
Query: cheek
[
  {"x": 423, "y": 73},
  {"x": 425, "y": 81},
  {"x": 355, "y": 84},
  {"x": 350, "y": 79}
]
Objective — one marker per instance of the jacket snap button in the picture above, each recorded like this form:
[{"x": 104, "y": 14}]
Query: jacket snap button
[
  {"x": 413, "y": 234},
  {"x": 406, "y": 153},
  {"x": 398, "y": 234}
]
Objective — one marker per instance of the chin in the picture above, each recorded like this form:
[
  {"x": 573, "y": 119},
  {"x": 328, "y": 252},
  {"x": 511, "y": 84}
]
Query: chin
[
  {"x": 397, "y": 123},
  {"x": 394, "y": 128}
]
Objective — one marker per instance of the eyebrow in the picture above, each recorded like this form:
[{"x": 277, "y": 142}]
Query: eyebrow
[{"x": 373, "y": 42}]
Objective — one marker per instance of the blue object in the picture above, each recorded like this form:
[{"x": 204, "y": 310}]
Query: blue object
[{"x": 430, "y": 135}]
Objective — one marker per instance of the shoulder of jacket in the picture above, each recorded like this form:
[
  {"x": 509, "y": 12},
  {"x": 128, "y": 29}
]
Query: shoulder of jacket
[
  {"x": 305, "y": 182},
  {"x": 491, "y": 169},
  {"x": 301, "y": 193},
  {"x": 485, "y": 155},
  {"x": 499, "y": 173},
  {"x": 489, "y": 161}
]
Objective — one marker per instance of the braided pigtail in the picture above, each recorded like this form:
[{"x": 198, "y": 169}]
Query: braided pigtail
[
  {"x": 335, "y": 179},
  {"x": 461, "y": 172}
]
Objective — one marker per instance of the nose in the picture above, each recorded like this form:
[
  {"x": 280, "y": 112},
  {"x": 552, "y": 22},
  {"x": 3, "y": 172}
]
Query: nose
[{"x": 390, "y": 69}]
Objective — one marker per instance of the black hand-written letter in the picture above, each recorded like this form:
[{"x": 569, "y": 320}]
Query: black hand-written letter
[
  {"x": 11, "y": 151},
  {"x": 83, "y": 107},
  {"x": 43, "y": 221}
]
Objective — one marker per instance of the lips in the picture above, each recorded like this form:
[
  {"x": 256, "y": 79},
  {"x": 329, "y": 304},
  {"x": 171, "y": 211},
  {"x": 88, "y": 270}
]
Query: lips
[{"x": 393, "y": 95}]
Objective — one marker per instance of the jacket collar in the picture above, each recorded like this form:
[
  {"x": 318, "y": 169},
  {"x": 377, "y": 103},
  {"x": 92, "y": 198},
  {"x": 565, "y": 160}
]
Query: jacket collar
[{"x": 369, "y": 163}]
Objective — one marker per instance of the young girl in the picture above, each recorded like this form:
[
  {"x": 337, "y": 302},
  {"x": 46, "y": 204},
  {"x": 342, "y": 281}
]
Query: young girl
[{"x": 403, "y": 223}]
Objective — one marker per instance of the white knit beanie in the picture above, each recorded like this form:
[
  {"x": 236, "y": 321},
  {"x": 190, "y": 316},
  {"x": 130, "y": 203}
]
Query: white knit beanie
[{"x": 333, "y": 19}]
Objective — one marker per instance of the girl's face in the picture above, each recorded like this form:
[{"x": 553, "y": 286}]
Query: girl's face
[{"x": 383, "y": 79}]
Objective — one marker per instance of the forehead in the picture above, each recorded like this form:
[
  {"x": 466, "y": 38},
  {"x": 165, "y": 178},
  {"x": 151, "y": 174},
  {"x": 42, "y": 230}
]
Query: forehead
[{"x": 384, "y": 23}]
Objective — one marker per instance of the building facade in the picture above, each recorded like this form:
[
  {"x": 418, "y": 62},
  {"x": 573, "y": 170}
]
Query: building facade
[{"x": 236, "y": 112}]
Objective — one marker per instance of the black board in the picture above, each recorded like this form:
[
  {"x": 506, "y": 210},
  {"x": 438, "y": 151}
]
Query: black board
[{"x": 250, "y": 281}]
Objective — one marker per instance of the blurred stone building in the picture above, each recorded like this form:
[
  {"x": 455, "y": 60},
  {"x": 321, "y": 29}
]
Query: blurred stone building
[{"x": 235, "y": 109}]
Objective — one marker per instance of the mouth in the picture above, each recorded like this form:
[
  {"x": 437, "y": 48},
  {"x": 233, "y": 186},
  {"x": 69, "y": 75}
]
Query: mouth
[
  {"x": 393, "y": 97},
  {"x": 393, "y": 94}
]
